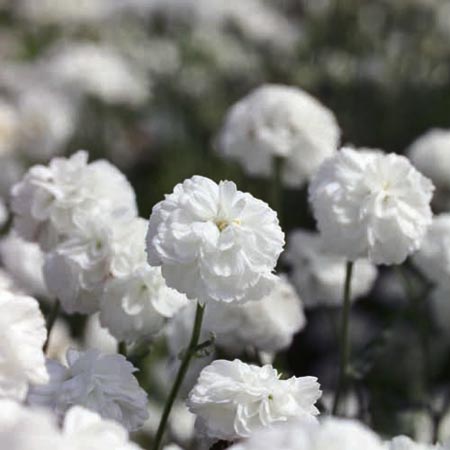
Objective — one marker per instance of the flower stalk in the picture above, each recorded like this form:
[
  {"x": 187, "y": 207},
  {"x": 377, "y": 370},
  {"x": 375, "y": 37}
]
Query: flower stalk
[
  {"x": 190, "y": 352},
  {"x": 344, "y": 344},
  {"x": 51, "y": 319}
]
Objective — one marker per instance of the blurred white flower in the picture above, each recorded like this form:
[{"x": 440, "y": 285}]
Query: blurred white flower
[
  {"x": 22, "y": 335},
  {"x": 49, "y": 200},
  {"x": 100, "y": 382},
  {"x": 98, "y": 337},
  {"x": 430, "y": 153},
  {"x": 60, "y": 340},
  {"x": 100, "y": 71},
  {"x": 370, "y": 204},
  {"x": 24, "y": 261},
  {"x": 331, "y": 433},
  {"x": 23, "y": 428},
  {"x": 84, "y": 429},
  {"x": 214, "y": 242},
  {"x": 433, "y": 257},
  {"x": 265, "y": 325},
  {"x": 181, "y": 422},
  {"x": 9, "y": 125},
  {"x": 172, "y": 447},
  {"x": 406, "y": 443},
  {"x": 319, "y": 275},
  {"x": 47, "y": 121},
  {"x": 136, "y": 301},
  {"x": 279, "y": 121},
  {"x": 232, "y": 399}
]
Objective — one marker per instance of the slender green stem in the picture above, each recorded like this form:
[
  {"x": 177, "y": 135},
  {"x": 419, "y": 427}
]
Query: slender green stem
[
  {"x": 344, "y": 344},
  {"x": 277, "y": 186},
  {"x": 50, "y": 321},
  {"x": 180, "y": 375},
  {"x": 122, "y": 348}
]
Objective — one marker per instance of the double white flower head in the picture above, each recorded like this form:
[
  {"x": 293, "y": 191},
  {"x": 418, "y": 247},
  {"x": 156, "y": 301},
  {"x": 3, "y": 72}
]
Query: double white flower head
[
  {"x": 370, "y": 204},
  {"x": 214, "y": 242}
]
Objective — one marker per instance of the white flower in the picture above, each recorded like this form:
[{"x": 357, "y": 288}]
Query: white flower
[
  {"x": 214, "y": 242},
  {"x": 172, "y": 447},
  {"x": 319, "y": 275},
  {"x": 136, "y": 301},
  {"x": 406, "y": 443},
  {"x": 83, "y": 429},
  {"x": 433, "y": 257},
  {"x": 24, "y": 261},
  {"x": 98, "y": 337},
  {"x": 100, "y": 382},
  {"x": 49, "y": 200},
  {"x": 369, "y": 204},
  {"x": 100, "y": 71},
  {"x": 276, "y": 120},
  {"x": 22, "y": 335},
  {"x": 430, "y": 153},
  {"x": 331, "y": 433},
  {"x": 266, "y": 325},
  {"x": 60, "y": 340},
  {"x": 233, "y": 399},
  {"x": 24, "y": 428}
]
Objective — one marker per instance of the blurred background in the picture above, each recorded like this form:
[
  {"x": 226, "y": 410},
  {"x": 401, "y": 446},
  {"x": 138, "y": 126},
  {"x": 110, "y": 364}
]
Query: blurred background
[{"x": 146, "y": 84}]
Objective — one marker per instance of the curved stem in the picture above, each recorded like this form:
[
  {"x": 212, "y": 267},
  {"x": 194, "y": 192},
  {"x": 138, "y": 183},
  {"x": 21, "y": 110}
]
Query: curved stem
[
  {"x": 344, "y": 344},
  {"x": 180, "y": 375},
  {"x": 51, "y": 319}
]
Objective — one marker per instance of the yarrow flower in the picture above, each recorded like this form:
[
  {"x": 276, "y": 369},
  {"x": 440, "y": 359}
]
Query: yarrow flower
[
  {"x": 22, "y": 335},
  {"x": 319, "y": 274},
  {"x": 136, "y": 301},
  {"x": 279, "y": 121},
  {"x": 433, "y": 257},
  {"x": 266, "y": 325},
  {"x": 331, "y": 433},
  {"x": 232, "y": 399},
  {"x": 430, "y": 153},
  {"x": 214, "y": 242},
  {"x": 100, "y": 382},
  {"x": 370, "y": 204},
  {"x": 48, "y": 202}
]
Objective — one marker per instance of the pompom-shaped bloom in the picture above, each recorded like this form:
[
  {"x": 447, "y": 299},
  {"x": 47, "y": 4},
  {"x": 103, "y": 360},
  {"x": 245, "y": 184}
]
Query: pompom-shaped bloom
[
  {"x": 266, "y": 325},
  {"x": 100, "y": 382},
  {"x": 23, "y": 428},
  {"x": 430, "y": 153},
  {"x": 84, "y": 429},
  {"x": 279, "y": 121},
  {"x": 406, "y": 443},
  {"x": 214, "y": 242},
  {"x": 433, "y": 257},
  {"x": 24, "y": 261},
  {"x": 22, "y": 335},
  {"x": 136, "y": 301},
  {"x": 319, "y": 275},
  {"x": 370, "y": 204},
  {"x": 232, "y": 399},
  {"x": 49, "y": 200},
  {"x": 331, "y": 433}
]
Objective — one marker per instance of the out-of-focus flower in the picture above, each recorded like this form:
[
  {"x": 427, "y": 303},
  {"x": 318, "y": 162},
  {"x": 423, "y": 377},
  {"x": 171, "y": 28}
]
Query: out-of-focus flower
[
  {"x": 369, "y": 204},
  {"x": 319, "y": 275},
  {"x": 84, "y": 429},
  {"x": 430, "y": 153},
  {"x": 60, "y": 340},
  {"x": 23, "y": 428},
  {"x": 265, "y": 325},
  {"x": 100, "y": 382},
  {"x": 100, "y": 71},
  {"x": 47, "y": 121},
  {"x": 136, "y": 301},
  {"x": 433, "y": 257},
  {"x": 22, "y": 335},
  {"x": 9, "y": 124},
  {"x": 232, "y": 399},
  {"x": 98, "y": 337},
  {"x": 406, "y": 443},
  {"x": 49, "y": 201},
  {"x": 24, "y": 261},
  {"x": 214, "y": 242},
  {"x": 332, "y": 433},
  {"x": 172, "y": 447},
  {"x": 279, "y": 121}
]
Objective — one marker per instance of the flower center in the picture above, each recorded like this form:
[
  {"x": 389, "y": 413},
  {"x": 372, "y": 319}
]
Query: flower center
[{"x": 222, "y": 224}]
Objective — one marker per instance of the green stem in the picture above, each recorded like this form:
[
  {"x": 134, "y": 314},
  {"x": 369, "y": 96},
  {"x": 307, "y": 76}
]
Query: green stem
[
  {"x": 344, "y": 344},
  {"x": 277, "y": 186},
  {"x": 122, "y": 348},
  {"x": 180, "y": 375},
  {"x": 50, "y": 321}
]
